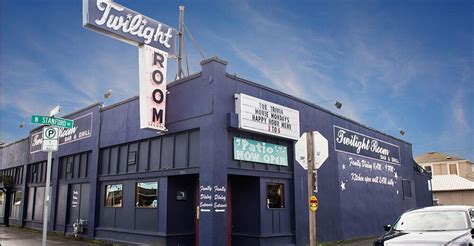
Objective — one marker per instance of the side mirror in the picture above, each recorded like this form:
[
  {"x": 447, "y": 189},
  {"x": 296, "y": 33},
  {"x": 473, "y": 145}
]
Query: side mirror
[{"x": 388, "y": 227}]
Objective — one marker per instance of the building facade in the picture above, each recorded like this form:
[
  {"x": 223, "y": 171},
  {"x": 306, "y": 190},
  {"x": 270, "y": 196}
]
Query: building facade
[
  {"x": 211, "y": 179},
  {"x": 453, "y": 178}
]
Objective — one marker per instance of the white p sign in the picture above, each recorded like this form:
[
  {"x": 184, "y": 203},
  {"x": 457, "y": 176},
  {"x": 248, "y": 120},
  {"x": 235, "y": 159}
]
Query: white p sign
[{"x": 50, "y": 138}]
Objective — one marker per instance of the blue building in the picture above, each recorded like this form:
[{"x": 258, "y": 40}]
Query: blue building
[{"x": 211, "y": 179}]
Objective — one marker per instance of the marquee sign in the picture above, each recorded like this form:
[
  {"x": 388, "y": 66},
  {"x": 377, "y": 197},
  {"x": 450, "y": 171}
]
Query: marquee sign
[
  {"x": 359, "y": 144},
  {"x": 256, "y": 151},
  {"x": 155, "y": 41},
  {"x": 153, "y": 91},
  {"x": 266, "y": 117},
  {"x": 82, "y": 129},
  {"x": 112, "y": 19}
]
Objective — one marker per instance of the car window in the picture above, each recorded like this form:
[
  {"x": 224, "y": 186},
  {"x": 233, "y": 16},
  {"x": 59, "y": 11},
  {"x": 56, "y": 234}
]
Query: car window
[{"x": 432, "y": 221}]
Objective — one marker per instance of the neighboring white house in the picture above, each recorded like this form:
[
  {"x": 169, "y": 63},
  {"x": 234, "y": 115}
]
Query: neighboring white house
[
  {"x": 452, "y": 178},
  {"x": 452, "y": 190}
]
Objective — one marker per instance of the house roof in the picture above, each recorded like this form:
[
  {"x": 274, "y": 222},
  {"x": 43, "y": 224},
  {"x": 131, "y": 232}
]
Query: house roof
[
  {"x": 436, "y": 157},
  {"x": 450, "y": 182}
]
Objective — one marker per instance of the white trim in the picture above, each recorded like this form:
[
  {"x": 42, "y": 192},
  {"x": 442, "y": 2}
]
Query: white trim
[{"x": 431, "y": 166}]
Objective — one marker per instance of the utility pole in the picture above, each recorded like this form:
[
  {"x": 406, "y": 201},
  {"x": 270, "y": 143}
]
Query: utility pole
[
  {"x": 311, "y": 187},
  {"x": 180, "y": 72}
]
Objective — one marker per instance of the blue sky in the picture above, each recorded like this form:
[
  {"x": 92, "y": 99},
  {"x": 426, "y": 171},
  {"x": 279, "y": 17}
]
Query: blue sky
[{"x": 393, "y": 64}]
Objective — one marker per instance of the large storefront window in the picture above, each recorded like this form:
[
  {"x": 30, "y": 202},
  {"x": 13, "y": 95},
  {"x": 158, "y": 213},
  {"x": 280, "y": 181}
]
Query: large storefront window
[
  {"x": 17, "y": 199},
  {"x": 275, "y": 195},
  {"x": 146, "y": 195},
  {"x": 113, "y": 196}
]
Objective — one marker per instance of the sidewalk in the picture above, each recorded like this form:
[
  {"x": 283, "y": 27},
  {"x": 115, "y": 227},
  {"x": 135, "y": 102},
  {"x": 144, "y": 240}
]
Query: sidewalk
[
  {"x": 369, "y": 241},
  {"x": 15, "y": 236}
]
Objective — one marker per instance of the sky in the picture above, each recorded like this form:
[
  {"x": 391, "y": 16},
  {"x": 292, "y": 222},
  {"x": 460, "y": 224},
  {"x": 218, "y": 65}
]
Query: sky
[{"x": 393, "y": 64}]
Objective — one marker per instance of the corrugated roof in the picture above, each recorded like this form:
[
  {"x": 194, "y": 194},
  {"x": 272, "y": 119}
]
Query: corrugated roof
[
  {"x": 436, "y": 157},
  {"x": 450, "y": 182}
]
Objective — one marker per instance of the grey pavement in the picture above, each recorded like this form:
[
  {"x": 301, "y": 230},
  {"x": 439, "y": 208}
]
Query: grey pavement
[
  {"x": 369, "y": 241},
  {"x": 15, "y": 236}
]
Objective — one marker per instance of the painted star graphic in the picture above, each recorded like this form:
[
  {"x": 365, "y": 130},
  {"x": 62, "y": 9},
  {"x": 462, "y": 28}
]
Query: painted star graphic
[
  {"x": 343, "y": 166},
  {"x": 396, "y": 175},
  {"x": 343, "y": 186}
]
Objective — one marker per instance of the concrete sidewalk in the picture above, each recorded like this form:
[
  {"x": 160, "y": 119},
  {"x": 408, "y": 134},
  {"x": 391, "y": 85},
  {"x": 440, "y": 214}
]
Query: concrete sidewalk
[
  {"x": 369, "y": 241},
  {"x": 15, "y": 236}
]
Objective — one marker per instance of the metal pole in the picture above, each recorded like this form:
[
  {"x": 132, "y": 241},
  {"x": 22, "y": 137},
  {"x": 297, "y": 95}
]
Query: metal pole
[
  {"x": 180, "y": 41},
  {"x": 312, "y": 215},
  {"x": 46, "y": 198}
]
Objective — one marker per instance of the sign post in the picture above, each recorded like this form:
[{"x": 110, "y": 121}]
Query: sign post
[
  {"x": 311, "y": 151},
  {"x": 50, "y": 144},
  {"x": 312, "y": 216}
]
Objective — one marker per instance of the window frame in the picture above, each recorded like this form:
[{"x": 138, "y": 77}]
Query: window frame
[
  {"x": 449, "y": 170},
  {"x": 283, "y": 195},
  {"x": 405, "y": 196},
  {"x": 15, "y": 196},
  {"x": 430, "y": 171},
  {"x": 134, "y": 161},
  {"x": 105, "y": 198},
  {"x": 136, "y": 193}
]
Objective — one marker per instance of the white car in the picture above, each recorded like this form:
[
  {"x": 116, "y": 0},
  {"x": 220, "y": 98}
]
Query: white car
[{"x": 440, "y": 225}]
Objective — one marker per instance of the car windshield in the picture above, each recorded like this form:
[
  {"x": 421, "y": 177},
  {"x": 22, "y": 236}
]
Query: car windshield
[{"x": 432, "y": 221}]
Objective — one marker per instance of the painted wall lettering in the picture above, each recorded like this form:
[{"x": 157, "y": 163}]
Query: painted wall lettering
[
  {"x": 82, "y": 129},
  {"x": 356, "y": 143}
]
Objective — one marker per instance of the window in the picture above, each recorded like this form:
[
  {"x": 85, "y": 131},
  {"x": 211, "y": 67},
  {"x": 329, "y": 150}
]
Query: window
[
  {"x": 146, "y": 195},
  {"x": 132, "y": 158},
  {"x": 453, "y": 169},
  {"x": 113, "y": 196},
  {"x": 406, "y": 189},
  {"x": 17, "y": 199},
  {"x": 1, "y": 198},
  {"x": 428, "y": 169},
  {"x": 69, "y": 167},
  {"x": 275, "y": 195}
]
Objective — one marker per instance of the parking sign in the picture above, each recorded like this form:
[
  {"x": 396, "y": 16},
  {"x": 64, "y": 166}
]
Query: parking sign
[{"x": 50, "y": 138}]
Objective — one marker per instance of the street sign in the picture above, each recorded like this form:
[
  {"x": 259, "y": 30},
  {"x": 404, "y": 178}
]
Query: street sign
[
  {"x": 313, "y": 203},
  {"x": 46, "y": 120},
  {"x": 301, "y": 152},
  {"x": 321, "y": 151},
  {"x": 50, "y": 138}
]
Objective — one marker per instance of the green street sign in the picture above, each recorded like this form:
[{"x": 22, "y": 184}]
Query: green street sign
[{"x": 46, "y": 120}]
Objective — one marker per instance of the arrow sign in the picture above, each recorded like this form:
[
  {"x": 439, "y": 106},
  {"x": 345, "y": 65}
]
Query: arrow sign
[{"x": 46, "y": 120}]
